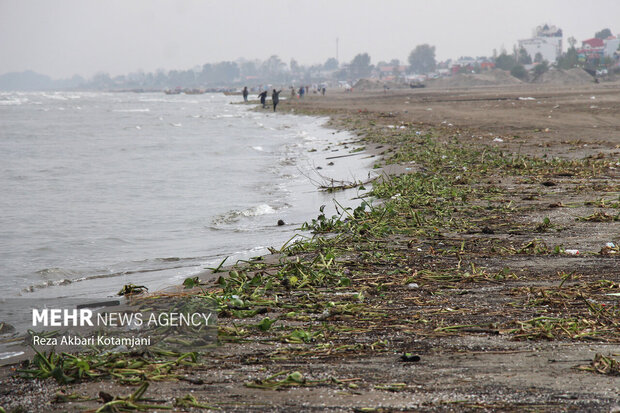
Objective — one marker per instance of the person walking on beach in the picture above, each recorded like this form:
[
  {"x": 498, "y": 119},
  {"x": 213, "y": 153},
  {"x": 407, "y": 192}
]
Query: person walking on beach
[
  {"x": 301, "y": 92},
  {"x": 263, "y": 97},
  {"x": 275, "y": 97},
  {"x": 245, "y": 94}
]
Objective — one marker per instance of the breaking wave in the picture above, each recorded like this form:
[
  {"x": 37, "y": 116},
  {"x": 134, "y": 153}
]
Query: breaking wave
[{"x": 235, "y": 215}]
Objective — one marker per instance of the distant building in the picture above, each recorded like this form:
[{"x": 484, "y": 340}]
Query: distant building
[
  {"x": 389, "y": 72},
  {"x": 469, "y": 64},
  {"x": 612, "y": 43},
  {"x": 594, "y": 51},
  {"x": 546, "y": 40}
]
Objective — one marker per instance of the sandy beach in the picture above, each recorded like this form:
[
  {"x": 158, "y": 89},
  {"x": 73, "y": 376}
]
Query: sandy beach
[{"x": 481, "y": 272}]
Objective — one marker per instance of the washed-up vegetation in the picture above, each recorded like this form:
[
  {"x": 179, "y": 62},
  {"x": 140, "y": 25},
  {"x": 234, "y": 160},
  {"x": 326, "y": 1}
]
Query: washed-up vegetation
[{"x": 426, "y": 254}]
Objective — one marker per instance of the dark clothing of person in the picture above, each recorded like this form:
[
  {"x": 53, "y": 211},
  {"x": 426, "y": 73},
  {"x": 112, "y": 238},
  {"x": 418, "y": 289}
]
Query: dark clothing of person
[
  {"x": 263, "y": 97},
  {"x": 245, "y": 94},
  {"x": 275, "y": 97}
]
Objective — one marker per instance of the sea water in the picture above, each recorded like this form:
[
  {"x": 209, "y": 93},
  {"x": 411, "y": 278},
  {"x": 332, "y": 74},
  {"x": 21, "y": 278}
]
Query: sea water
[{"x": 100, "y": 190}]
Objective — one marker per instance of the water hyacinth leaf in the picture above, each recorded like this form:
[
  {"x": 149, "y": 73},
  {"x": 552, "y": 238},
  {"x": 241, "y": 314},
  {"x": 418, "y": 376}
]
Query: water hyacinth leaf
[
  {"x": 265, "y": 324},
  {"x": 191, "y": 282}
]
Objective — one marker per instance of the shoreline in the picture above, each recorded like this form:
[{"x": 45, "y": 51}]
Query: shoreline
[
  {"x": 338, "y": 146},
  {"x": 455, "y": 292}
]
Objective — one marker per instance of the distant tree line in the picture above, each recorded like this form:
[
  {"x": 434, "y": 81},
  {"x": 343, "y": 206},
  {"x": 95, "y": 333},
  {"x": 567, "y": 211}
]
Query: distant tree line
[
  {"x": 274, "y": 71},
  {"x": 225, "y": 74}
]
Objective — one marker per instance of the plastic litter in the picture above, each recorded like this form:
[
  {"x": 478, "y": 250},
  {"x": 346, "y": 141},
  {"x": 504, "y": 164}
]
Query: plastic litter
[{"x": 572, "y": 252}]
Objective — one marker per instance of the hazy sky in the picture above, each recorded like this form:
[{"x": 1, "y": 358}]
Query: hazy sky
[{"x": 64, "y": 37}]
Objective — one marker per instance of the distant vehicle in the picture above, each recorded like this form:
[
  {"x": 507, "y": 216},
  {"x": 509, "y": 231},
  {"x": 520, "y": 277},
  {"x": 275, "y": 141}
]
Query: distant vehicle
[
  {"x": 416, "y": 85},
  {"x": 602, "y": 72},
  {"x": 176, "y": 91}
]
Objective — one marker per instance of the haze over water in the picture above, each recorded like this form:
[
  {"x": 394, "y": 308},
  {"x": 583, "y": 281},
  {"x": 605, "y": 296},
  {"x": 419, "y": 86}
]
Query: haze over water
[{"x": 101, "y": 190}]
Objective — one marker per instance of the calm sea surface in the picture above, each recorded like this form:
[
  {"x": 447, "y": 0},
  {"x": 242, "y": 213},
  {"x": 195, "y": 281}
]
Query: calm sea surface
[{"x": 101, "y": 190}]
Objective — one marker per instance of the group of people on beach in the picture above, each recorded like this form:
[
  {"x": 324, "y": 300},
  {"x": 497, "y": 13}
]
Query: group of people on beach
[
  {"x": 275, "y": 98},
  {"x": 275, "y": 95},
  {"x": 304, "y": 90}
]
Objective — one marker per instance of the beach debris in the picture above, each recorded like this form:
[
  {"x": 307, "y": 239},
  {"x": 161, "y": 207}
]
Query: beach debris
[
  {"x": 293, "y": 379},
  {"x": 129, "y": 402},
  {"x": 571, "y": 252},
  {"x": 599, "y": 217},
  {"x": 131, "y": 289},
  {"x": 413, "y": 286},
  {"x": 281, "y": 222},
  {"x": 409, "y": 358},
  {"x": 63, "y": 397},
  {"x": 498, "y": 140},
  {"x": 393, "y": 387},
  {"x": 190, "y": 401},
  {"x": 526, "y": 98},
  {"x": 603, "y": 365},
  {"x": 6, "y": 328},
  {"x": 610, "y": 248}
]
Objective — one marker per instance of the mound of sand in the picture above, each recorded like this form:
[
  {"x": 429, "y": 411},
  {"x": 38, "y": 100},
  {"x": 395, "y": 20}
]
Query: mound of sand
[
  {"x": 490, "y": 78},
  {"x": 564, "y": 77},
  {"x": 377, "y": 84}
]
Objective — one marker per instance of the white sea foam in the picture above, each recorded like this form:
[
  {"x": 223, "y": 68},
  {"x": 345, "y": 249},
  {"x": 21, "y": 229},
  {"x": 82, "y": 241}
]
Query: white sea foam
[
  {"x": 55, "y": 96},
  {"x": 235, "y": 214},
  {"x": 10, "y": 354},
  {"x": 13, "y": 101},
  {"x": 132, "y": 110}
]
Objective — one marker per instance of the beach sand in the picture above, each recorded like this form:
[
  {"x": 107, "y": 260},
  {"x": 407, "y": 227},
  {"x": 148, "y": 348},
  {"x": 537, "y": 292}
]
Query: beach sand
[{"x": 484, "y": 293}]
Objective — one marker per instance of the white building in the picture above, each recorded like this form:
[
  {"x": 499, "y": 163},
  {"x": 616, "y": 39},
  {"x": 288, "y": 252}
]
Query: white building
[
  {"x": 611, "y": 46},
  {"x": 547, "y": 41}
]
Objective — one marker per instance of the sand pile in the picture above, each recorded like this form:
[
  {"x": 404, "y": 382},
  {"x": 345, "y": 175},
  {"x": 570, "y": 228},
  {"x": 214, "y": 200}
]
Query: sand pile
[
  {"x": 564, "y": 77},
  {"x": 376, "y": 84},
  {"x": 490, "y": 78}
]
